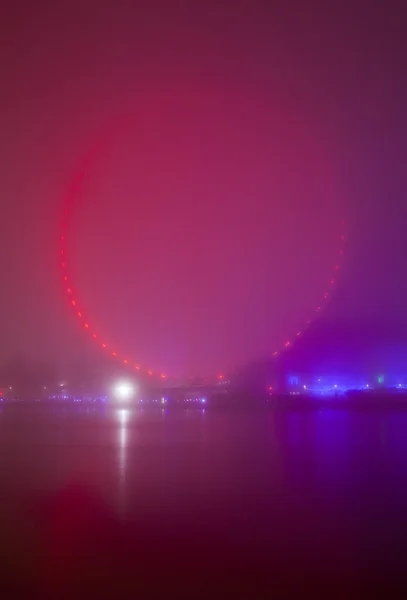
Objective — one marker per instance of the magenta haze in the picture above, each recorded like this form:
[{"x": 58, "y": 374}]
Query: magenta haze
[{"x": 72, "y": 67}]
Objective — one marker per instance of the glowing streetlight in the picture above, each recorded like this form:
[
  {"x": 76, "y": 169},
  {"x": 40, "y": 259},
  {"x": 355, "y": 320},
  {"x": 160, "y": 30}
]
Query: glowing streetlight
[{"x": 123, "y": 391}]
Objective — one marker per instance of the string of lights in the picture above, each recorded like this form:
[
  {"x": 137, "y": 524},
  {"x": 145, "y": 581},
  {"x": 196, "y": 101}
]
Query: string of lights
[{"x": 71, "y": 202}]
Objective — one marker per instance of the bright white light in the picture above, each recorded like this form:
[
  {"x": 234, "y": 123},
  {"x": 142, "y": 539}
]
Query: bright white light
[
  {"x": 123, "y": 391},
  {"x": 124, "y": 416},
  {"x": 305, "y": 387}
]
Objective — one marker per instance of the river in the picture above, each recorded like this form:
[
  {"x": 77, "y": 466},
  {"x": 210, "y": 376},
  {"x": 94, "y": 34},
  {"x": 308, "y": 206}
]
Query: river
[{"x": 302, "y": 501}]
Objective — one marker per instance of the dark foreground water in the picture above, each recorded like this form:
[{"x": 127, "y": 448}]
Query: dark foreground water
[{"x": 114, "y": 503}]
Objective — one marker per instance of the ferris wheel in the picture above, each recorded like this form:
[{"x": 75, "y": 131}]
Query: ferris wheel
[{"x": 94, "y": 331}]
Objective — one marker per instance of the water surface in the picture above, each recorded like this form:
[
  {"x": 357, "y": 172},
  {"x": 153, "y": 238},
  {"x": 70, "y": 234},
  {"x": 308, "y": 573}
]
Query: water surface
[{"x": 301, "y": 498}]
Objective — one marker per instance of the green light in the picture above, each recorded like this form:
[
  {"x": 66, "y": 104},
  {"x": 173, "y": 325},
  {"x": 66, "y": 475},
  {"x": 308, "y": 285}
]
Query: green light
[{"x": 380, "y": 379}]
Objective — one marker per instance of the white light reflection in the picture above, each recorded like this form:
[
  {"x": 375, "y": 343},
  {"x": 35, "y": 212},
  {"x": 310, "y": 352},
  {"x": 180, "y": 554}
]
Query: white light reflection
[{"x": 123, "y": 416}]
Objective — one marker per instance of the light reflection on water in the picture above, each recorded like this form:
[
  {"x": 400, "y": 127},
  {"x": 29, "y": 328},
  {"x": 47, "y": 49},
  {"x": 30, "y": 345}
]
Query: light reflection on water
[
  {"x": 123, "y": 416},
  {"x": 312, "y": 473}
]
